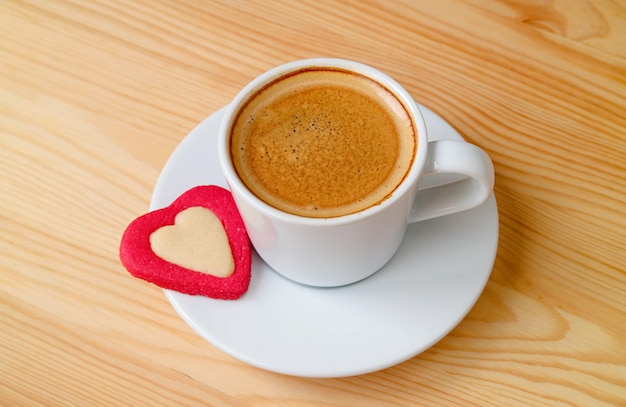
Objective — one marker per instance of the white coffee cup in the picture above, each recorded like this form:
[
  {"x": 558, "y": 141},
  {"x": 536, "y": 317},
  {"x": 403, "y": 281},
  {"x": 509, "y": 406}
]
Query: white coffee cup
[{"x": 329, "y": 252}]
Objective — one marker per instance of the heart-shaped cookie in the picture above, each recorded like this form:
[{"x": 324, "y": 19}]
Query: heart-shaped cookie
[{"x": 198, "y": 245}]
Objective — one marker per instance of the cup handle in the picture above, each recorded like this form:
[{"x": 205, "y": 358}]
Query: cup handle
[{"x": 453, "y": 157}]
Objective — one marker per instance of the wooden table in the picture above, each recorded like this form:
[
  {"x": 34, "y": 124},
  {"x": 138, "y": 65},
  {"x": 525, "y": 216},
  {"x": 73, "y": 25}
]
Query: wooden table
[{"x": 95, "y": 96}]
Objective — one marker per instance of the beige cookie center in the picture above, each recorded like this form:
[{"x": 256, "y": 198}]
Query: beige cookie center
[{"x": 197, "y": 241}]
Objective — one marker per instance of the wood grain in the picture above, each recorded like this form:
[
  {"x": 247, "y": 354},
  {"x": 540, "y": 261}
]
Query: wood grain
[{"x": 94, "y": 97}]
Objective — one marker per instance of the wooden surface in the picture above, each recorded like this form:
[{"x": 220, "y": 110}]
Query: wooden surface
[{"x": 95, "y": 95}]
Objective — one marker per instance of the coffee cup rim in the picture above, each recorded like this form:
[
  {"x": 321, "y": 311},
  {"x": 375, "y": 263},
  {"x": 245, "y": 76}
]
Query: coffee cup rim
[{"x": 409, "y": 181}]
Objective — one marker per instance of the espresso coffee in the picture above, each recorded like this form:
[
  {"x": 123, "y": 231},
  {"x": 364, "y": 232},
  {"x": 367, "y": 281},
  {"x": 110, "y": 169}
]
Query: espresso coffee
[{"x": 322, "y": 143}]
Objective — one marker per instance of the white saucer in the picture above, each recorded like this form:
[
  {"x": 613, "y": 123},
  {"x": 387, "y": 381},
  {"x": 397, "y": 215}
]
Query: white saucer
[{"x": 416, "y": 299}]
